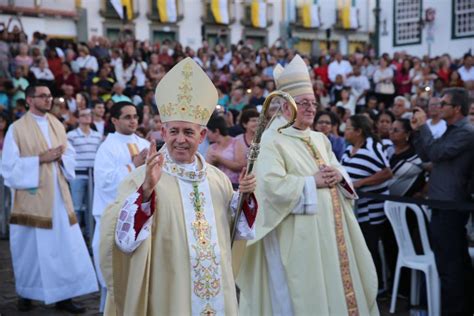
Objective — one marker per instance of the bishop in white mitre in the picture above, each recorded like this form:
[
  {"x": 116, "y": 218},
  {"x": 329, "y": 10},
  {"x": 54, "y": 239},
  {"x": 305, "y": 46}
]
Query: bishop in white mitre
[{"x": 165, "y": 243}]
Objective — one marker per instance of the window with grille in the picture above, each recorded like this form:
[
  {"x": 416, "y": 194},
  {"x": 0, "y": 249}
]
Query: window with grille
[
  {"x": 406, "y": 22},
  {"x": 463, "y": 18}
]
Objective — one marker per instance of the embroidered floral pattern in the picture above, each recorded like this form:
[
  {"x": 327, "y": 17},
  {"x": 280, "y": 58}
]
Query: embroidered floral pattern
[
  {"x": 207, "y": 282},
  {"x": 181, "y": 172},
  {"x": 183, "y": 107},
  {"x": 208, "y": 311}
]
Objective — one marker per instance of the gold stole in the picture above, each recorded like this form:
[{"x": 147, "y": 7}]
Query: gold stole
[
  {"x": 33, "y": 207},
  {"x": 133, "y": 149},
  {"x": 344, "y": 264}
]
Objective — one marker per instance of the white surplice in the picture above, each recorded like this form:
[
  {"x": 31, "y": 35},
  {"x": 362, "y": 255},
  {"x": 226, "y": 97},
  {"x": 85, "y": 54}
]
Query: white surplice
[
  {"x": 113, "y": 162},
  {"x": 50, "y": 265}
]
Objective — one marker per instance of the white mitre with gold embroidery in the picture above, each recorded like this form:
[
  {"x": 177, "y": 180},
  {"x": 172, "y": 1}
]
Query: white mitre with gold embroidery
[
  {"x": 294, "y": 78},
  {"x": 186, "y": 94}
]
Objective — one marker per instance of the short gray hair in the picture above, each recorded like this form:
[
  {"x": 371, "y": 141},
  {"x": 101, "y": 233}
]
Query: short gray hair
[{"x": 405, "y": 101}]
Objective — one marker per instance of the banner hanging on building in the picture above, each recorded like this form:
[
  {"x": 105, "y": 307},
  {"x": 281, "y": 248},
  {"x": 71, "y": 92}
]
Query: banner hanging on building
[
  {"x": 310, "y": 14},
  {"x": 167, "y": 11},
  {"x": 122, "y": 6},
  {"x": 259, "y": 13},
  {"x": 220, "y": 11},
  {"x": 349, "y": 14}
]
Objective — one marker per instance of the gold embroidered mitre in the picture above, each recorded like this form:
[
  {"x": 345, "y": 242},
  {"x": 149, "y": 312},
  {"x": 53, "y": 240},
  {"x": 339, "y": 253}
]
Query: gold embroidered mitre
[
  {"x": 294, "y": 78},
  {"x": 186, "y": 94}
]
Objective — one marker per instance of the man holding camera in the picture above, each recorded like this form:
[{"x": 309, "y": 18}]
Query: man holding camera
[{"x": 452, "y": 156}]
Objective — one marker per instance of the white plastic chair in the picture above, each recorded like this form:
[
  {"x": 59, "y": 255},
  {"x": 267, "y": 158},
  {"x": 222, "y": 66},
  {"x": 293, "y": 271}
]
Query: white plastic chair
[{"x": 407, "y": 257}]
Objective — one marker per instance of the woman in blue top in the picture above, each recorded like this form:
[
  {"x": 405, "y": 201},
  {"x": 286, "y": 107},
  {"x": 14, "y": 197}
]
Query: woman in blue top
[{"x": 324, "y": 123}]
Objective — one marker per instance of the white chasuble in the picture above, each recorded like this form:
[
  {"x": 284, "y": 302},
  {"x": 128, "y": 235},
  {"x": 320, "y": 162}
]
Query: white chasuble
[{"x": 181, "y": 261}]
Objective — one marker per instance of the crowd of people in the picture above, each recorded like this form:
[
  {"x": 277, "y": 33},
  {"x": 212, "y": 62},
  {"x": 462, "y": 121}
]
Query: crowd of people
[{"x": 382, "y": 117}]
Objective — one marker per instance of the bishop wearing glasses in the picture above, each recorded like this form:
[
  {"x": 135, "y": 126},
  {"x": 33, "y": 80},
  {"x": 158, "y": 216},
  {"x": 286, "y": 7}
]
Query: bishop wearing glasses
[{"x": 309, "y": 256}]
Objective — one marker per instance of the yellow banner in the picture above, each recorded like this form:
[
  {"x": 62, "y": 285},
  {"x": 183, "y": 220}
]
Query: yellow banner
[
  {"x": 258, "y": 12},
  {"x": 220, "y": 11},
  {"x": 128, "y": 4},
  {"x": 162, "y": 10}
]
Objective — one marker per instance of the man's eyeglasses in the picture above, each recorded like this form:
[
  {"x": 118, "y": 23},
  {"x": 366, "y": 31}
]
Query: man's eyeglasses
[
  {"x": 43, "y": 96},
  {"x": 395, "y": 130},
  {"x": 307, "y": 104},
  {"x": 445, "y": 104}
]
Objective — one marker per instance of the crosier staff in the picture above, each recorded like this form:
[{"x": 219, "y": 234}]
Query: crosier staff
[{"x": 255, "y": 145}]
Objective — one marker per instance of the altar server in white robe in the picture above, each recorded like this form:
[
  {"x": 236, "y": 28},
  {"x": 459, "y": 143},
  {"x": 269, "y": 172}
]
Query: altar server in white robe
[
  {"x": 50, "y": 258},
  {"x": 165, "y": 242},
  {"x": 120, "y": 153},
  {"x": 309, "y": 256}
]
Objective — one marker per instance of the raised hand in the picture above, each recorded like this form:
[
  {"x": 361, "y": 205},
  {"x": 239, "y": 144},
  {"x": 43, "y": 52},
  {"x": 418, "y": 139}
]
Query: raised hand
[{"x": 154, "y": 164}]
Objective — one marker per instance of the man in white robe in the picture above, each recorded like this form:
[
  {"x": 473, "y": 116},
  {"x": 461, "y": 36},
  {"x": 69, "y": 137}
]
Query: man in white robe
[
  {"x": 165, "y": 242},
  {"x": 309, "y": 256},
  {"x": 50, "y": 258},
  {"x": 120, "y": 153}
]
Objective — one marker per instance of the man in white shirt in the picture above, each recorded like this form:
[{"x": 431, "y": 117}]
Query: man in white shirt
[
  {"x": 339, "y": 67},
  {"x": 50, "y": 258},
  {"x": 466, "y": 72},
  {"x": 119, "y": 154},
  {"x": 436, "y": 124},
  {"x": 360, "y": 86}
]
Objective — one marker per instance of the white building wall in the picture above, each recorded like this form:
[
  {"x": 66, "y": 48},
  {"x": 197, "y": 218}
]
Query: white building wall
[
  {"x": 442, "y": 29},
  {"x": 277, "y": 16},
  {"x": 142, "y": 23},
  {"x": 94, "y": 20},
  {"x": 50, "y": 26},
  {"x": 190, "y": 26}
]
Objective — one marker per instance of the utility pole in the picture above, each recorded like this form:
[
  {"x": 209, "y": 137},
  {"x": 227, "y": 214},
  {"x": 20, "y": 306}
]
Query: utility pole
[{"x": 377, "y": 28}]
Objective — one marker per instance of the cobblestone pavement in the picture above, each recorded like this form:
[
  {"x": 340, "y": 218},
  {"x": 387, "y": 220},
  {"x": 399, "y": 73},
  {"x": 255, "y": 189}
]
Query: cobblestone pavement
[{"x": 8, "y": 297}]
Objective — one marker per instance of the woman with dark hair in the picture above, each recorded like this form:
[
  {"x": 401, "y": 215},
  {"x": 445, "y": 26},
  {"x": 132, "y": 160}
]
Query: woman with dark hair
[
  {"x": 225, "y": 152},
  {"x": 407, "y": 167},
  {"x": 54, "y": 62},
  {"x": 455, "y": 80},
  {"x": 408, "y": 180},
  {"x": 367, "y": 165},
  {"x": 249, "y": 122},
  {"x": 383, "y": 80},
  {"x": 402, "y": 78},
  {"x": 324, "y": 123},
  {"x": 383, "y": 122},
  {"x": 67, "y": 77},
  {"x": 322, "y": 71}
]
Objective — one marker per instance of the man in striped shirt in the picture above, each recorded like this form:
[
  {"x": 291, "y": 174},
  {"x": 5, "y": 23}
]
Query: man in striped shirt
[{"x": 86, "y": 142}]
